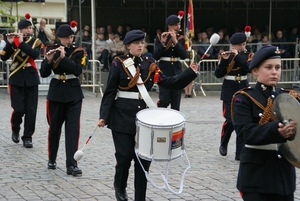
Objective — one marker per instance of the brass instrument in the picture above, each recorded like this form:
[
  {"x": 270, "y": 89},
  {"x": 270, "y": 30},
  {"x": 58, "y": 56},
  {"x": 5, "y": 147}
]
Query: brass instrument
[{"x": 227, "y": 52}]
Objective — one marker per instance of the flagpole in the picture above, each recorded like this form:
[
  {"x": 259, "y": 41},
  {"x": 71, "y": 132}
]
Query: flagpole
[{"x": 184, "y": 18}]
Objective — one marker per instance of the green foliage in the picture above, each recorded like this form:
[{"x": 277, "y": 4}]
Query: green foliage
[{"x": 6, "y": 10}]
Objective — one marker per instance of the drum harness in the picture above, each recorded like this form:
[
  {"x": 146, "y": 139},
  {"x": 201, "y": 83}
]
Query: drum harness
[
  {"x": 268, "y": 115},
  {"x": 129, "y": 64}
]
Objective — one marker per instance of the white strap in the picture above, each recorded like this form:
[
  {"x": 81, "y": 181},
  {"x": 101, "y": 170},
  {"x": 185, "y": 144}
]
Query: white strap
[
  {"x": 129, "y": 63},
  {"x": 236, "y": 77},
  {"x": 274, "y": 147}
]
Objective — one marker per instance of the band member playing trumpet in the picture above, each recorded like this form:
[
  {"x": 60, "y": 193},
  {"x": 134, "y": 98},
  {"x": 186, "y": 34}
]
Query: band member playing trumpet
[
  {"x": 264, "y": 174},
  {"x": 233, "y": 66},
  {"x": 65, "y": 95},
  {"x": 169, "y": 49},
  {"x": 120, "y": 113},
  {"x": 23, "y": 79}
]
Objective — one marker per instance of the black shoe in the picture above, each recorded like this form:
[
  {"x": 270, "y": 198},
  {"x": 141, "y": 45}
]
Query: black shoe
[
  {"x": 15, "y": 137},
  {"x": 186, "y": 96},
  {"x": 190, "y": 96},
  {"x": 73, "y": 171},
  {"x": 51, "y": 165},
  {"x": 223, "y": 150},
  {"x": 121, "y": 195},
  {"x": 27, "y": 143},
  {"x": 237, "y": 158}
]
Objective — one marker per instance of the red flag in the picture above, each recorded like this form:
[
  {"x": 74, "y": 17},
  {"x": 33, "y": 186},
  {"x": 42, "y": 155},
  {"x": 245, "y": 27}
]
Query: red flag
[{"x": 189, "y": 25}]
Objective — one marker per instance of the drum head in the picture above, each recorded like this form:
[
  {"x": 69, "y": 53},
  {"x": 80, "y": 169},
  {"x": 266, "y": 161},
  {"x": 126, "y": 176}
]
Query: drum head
[
  {"x": 160, "y": 117},
  {"x": 287, "y": 108}
]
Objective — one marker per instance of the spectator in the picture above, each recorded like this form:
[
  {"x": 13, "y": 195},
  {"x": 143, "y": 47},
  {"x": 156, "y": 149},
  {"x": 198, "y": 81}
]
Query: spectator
[
  {"x": 203, "y": 45},
  {"x": 293, "y": 37},
  {"x": 109, "y": 29},
  {"x": 117, "y": 47},
  {"x": 281, "y": 43},
  {"x": 101, "y": 51},
  {"x": 255, "y": 41},
  {"x": 249, "y": 46},
  {"x": 80, "y": 34},
  {"x": 44, "y": 33},
  {"x": 2, "y": 43},
  {"x": 120, "y": 32},
  {"x": 263, "y": 42},
  {"x": 87, "y": 43}
]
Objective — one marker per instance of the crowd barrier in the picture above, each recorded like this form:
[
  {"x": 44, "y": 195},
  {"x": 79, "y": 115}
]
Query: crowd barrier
[{"x": 94, "y": 79}]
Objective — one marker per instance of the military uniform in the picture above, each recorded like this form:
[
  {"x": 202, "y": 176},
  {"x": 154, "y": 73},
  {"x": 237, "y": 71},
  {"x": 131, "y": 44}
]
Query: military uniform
[
  {"x": 64, "y": 102},
  {"x": 23, "y": 83},
  {"x": 278, "y": 174},
  {"x": 169, "y": 56},
  {"x": 234, "y": 70},
  {"x": 120, "y": 113},
  {"x": 264, "y": 174}
]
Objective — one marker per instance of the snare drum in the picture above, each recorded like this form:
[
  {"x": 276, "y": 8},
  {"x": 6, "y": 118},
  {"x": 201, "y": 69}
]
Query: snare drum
[{"x": 160, "y": 134}]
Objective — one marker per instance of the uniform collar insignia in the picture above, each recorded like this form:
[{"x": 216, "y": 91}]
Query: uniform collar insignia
[
  {"x": 277, "y": 50},
  {"x": 263, "y": 87}
]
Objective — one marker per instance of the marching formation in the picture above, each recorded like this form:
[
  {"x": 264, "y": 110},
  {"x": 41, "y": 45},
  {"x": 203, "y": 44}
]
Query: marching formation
[{"x": 263, "y": 137}]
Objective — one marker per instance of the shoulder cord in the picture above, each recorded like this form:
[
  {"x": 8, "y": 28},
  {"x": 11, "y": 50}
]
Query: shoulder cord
[
  {"x": 133, "y": 80},
  {"x": 55, "y": 65},
  {"x": 267, "y": 115}
]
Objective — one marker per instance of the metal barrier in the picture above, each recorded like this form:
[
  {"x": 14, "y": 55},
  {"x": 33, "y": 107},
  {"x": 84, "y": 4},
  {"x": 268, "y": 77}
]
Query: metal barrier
[{"x": 91, "y": 76}]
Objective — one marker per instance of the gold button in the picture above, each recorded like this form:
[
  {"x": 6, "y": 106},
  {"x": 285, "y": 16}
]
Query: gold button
[{"x": 139, "y": 106}]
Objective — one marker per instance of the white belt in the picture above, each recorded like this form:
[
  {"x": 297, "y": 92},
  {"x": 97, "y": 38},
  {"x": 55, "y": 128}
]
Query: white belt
[
  {"x": 236, "y": 77},
  {"x": 274, "y": 147},
  {"x": 64, "y": 77},
  {"x": 130, "y": 95},
  {"x": 170, "y": 59}
]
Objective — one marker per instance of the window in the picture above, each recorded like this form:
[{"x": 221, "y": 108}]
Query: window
[{"x": 4, "y": 19}]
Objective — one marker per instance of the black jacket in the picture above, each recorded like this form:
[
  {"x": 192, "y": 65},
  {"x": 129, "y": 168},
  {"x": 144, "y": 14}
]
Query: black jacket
[
  {"x": 68, "y": 90},
  {"x": 120, "y": 113},
  {"x": 229, "y": 87},
  {"x": 26, "y": 76},
  {"x": 170, "y": 68},
  {"x": 261, "y": 170}
]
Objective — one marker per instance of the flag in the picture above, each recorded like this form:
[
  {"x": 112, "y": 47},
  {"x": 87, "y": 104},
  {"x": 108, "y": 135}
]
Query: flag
[{"x": 189, "y": 32}]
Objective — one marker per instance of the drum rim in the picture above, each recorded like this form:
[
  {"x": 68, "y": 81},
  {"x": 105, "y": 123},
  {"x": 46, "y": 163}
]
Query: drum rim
[{"x": 161, "y": 126}]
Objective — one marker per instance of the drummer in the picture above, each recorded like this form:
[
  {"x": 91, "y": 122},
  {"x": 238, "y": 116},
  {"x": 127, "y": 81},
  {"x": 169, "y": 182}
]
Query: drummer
[
  {"x": 264, "y": 174},
  {"x": 120, "y": 113}
]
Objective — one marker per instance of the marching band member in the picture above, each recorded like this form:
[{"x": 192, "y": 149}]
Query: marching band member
[
  {"x": 169, "y": 49},
  {"x": 23, "y": 79},
  {"x": 120, "y": 113},
  {"x": 65, "y": 95},
  {"x": 233, "y": 66},
  {"x": 264, "y": 174}
]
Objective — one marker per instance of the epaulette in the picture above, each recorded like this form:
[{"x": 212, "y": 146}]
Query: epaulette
[
  {"x": 246, "y": 88},
  {"x": 250, "y": 56},
  {"x": 292, "y": 93},
  {"x": 149, "y": 59},
  {"x": 38, "y": 43},
  {"x": 284, "y": 90}
]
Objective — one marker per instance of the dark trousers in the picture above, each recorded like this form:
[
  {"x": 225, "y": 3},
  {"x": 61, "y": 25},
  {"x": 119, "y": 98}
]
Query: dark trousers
[
  {"x": 266, "y": 197},
  {"x": 227, "y": 129},
  {"x": 57, "y": 114},
  {"x": 124, "y": 145},
  {"x": 167, "y": 96},
  {"x": 104, "y": 58},
  {"x": 24, "y": 101}
]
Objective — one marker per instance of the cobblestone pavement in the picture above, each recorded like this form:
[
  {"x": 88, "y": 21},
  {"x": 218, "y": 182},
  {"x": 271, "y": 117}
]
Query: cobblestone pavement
[{"x": 24, "y": 174}]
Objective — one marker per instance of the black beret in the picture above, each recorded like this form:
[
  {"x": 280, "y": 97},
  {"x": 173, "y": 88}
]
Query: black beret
[
  {"x": 238, "y": 38},
  {"x": 25, "y": 22},
  {"x": 264, "y": 53},
  {"x": 65, "y": 30},
  {"x": 172, "y": 20},
  {"x": 134, "y": 35}
]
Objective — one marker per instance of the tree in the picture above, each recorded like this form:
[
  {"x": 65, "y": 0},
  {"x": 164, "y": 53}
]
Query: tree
[{"x": 6, "y": 8}]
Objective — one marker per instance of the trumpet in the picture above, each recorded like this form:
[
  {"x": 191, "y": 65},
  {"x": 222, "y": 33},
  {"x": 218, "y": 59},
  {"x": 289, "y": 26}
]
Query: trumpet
[{"x": 18, "y": 34}]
